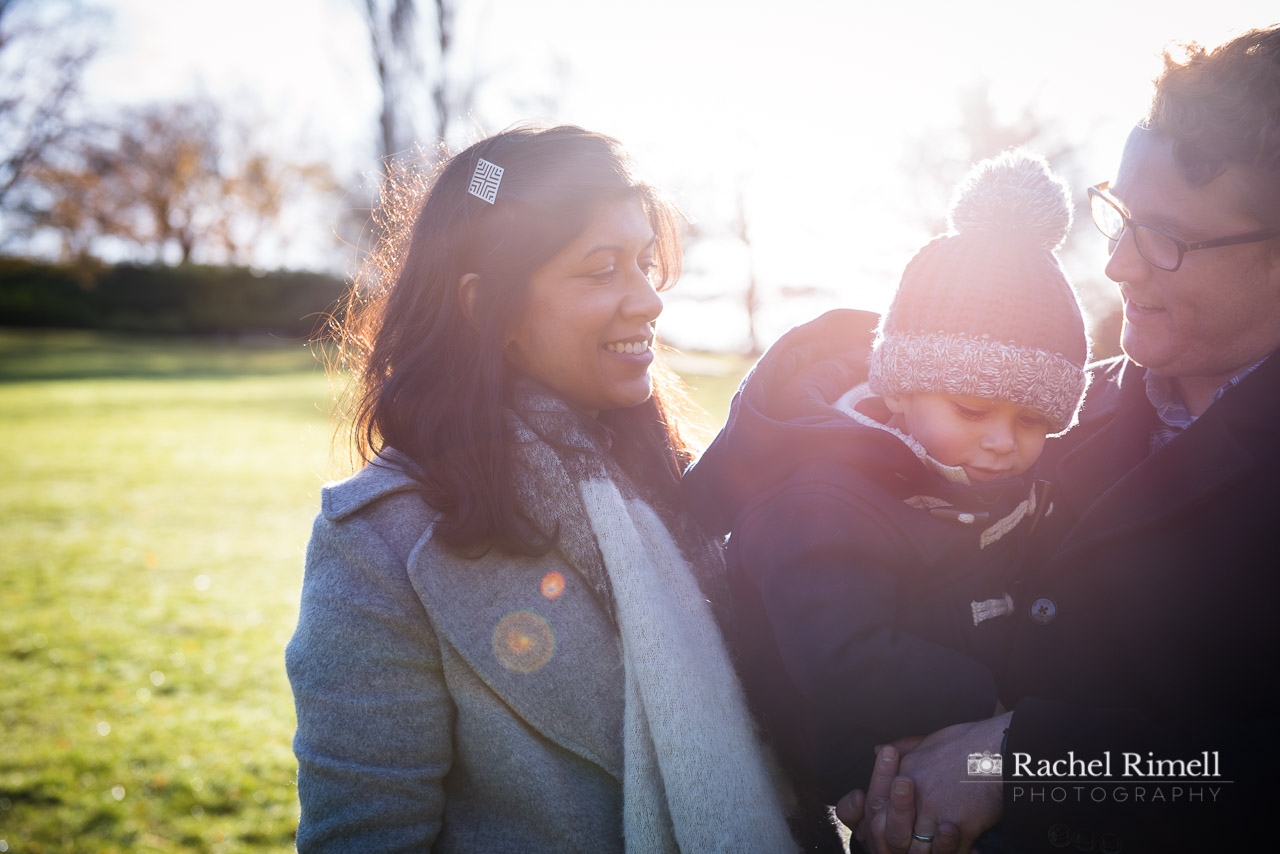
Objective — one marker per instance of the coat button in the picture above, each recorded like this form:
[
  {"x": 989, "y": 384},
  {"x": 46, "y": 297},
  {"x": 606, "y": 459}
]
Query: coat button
[
  {"x": 1059, "y": 836},
  {"x": 1043, "y": 610}
]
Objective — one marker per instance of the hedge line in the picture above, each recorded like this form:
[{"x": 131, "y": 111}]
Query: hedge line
[{"x": 189, "y": 299}]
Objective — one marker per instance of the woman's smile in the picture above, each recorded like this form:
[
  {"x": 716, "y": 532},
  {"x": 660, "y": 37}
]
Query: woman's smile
[{"x": 631, "y": 348}]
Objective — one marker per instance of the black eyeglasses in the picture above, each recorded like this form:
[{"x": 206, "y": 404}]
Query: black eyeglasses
[{"x": 1160, "y": 248}]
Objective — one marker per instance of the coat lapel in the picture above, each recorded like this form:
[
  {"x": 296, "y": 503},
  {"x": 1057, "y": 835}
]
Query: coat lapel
[
  {"x": 530, "y": 628},
  {"x": 1197, "y": 464},
  {"x": 1117, "y": 486},
  {"x": 533, "y": 631},
  {"x": 1118, "y": 441}
]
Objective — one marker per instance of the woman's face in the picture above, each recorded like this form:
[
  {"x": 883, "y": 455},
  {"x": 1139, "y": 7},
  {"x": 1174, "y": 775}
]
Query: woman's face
[{"x": 589, "y": 324}]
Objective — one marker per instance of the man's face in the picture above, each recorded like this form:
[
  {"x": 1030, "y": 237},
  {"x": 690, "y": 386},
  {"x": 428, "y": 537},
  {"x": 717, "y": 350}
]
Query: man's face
[{"x": 1220, "y": 312}]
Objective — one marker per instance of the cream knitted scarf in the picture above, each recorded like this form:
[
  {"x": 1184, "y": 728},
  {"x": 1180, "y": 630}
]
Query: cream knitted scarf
[{"x": 696, "y": 777}]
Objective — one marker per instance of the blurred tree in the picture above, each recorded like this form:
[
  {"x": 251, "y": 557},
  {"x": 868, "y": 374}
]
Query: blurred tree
[
  {"x": 44, "y": 48},
  {"x": 257, "y": 188},
  {"x": 741, "y": 228},
  {"x": 76, "y": 199},
  {"x": 391, "y": 39},
  {"x": 177, "y": 179},
  {"x": 940, "y": 157},
  {"x": 420, "y": 95},
  {"x": 168, "y": 160}
]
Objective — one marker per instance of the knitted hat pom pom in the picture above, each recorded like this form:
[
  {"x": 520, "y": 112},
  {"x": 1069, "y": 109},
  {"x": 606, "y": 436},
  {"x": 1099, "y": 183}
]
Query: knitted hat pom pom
[
  {"x": 1014, "y": 193},
  {"x": 986, "y": 309}
]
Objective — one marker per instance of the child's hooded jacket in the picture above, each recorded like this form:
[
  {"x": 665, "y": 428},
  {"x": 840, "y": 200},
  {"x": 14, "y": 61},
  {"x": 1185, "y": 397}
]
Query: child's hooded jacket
[{"x": 854, "y": 565}]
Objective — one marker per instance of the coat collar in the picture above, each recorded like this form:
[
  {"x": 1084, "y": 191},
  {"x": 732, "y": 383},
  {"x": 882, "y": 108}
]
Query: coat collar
[{"x": 386, "y": 475}]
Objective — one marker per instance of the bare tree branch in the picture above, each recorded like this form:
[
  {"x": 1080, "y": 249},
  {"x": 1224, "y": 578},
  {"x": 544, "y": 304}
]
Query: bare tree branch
[
  {"x": 42, "y": 60},
  {"x": 417, "y": 105}
]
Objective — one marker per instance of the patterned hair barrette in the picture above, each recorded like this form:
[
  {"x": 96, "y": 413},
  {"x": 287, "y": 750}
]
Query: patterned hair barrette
[{"x": 485, "y": 181}]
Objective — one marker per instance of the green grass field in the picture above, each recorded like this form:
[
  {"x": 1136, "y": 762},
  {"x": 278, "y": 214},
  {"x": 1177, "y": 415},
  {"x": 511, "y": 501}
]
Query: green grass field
[{"x": 156, "y": 501}]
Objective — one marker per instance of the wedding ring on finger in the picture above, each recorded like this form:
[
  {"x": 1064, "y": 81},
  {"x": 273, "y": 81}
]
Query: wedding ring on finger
[{"x": 922, "y": 838}]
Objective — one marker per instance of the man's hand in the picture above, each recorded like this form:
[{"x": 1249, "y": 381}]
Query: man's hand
[
  {"x": 883, "y": 819},
  {"x": 944, "y": 793},
  {"x": 926, "y": 792}
]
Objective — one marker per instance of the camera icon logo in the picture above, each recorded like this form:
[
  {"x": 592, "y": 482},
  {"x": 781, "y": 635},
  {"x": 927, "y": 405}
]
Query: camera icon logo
[{"x": 986, "y": 764}]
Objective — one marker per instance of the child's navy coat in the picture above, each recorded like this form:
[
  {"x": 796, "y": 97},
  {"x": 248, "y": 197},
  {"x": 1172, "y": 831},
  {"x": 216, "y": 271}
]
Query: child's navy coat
[{"x": 853, "y": 566}]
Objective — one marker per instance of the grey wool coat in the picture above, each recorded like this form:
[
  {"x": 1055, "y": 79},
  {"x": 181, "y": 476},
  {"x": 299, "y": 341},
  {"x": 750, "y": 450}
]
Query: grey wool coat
[{"x": 447, "y": 704}]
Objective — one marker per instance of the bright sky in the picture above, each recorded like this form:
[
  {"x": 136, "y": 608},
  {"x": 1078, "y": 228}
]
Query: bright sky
[{"x": 803, "y": 106}]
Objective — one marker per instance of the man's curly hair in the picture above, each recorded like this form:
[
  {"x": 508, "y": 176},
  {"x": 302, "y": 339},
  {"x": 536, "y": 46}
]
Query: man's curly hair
[{"x": 1221, "y": 108}]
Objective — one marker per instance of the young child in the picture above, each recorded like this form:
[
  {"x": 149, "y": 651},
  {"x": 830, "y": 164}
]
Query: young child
[{"x": 879, "y": 491}]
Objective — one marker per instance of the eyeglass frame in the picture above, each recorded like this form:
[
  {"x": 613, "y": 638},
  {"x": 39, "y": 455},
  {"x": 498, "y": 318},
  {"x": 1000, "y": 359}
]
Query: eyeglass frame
[{"x": 1101, "y": 191}]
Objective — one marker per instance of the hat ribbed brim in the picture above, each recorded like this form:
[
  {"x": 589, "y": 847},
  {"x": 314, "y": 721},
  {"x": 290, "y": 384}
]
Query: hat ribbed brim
[{"x": 952, "y": 363}]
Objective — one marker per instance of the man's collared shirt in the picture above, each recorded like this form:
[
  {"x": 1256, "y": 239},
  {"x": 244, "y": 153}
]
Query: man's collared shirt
[{"x": 1174, "y": 417}]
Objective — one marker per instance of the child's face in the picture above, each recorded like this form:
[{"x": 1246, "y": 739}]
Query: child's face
[{"x": 990, "y": 439}]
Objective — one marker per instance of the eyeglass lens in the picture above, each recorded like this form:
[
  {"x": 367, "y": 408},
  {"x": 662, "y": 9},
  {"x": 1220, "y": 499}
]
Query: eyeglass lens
[{"x": 1160, "y": 249}]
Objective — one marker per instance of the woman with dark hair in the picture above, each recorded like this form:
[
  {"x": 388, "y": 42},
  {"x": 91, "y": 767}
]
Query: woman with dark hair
[{"x": 507, "y": 639}]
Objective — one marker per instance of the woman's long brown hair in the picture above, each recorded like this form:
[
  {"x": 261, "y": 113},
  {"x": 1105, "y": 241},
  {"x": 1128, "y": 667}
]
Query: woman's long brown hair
[{"x": 431, "y": 380}]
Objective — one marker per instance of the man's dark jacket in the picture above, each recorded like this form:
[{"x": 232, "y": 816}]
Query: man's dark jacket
[{"x": 1150, "y": 627}]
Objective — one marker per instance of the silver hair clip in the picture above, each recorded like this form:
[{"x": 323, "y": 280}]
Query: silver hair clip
[{"x": 485, "y": 181}]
